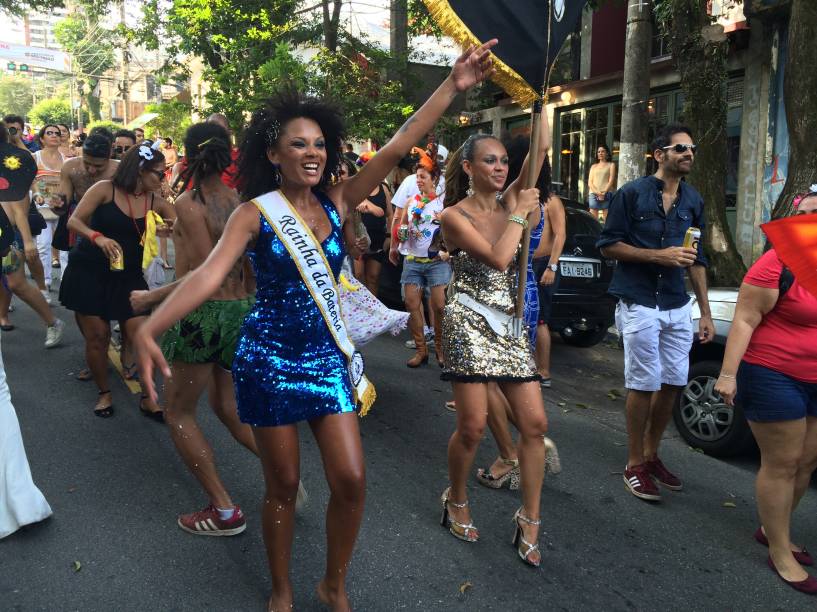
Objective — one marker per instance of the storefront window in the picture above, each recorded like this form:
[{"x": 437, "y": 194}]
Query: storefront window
[{"x": 570, "y": 144}]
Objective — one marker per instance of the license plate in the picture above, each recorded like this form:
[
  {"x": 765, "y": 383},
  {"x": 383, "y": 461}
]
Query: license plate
[{"x": 577, "y": 270}]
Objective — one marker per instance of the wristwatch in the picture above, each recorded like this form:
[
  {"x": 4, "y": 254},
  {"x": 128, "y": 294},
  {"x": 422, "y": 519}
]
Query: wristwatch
[{"x": 554, "y": 266}]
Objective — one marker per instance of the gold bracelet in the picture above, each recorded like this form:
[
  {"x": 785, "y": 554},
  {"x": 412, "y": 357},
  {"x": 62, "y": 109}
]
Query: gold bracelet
[{"x": 517, "y": 219}]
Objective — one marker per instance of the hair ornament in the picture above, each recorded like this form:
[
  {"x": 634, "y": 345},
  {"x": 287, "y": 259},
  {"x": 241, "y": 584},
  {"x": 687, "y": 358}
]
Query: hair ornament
[
  {"x": 205, "y": 143},
  {"x": 146, "y": 153},
  {"x": 273, "y": 131}
]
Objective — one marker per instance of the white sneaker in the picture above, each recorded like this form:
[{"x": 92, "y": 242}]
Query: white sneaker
[
  {"x": 53, "y": 335},
  {"x": 46, "y": 295}
]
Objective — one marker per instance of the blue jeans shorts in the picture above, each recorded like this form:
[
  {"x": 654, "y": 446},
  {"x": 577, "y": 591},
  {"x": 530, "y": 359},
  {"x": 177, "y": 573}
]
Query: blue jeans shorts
[
  {"x": 767, "y": 395},
  {"x": 596, "y": 204},
  {"x": 430, "y": 274}
]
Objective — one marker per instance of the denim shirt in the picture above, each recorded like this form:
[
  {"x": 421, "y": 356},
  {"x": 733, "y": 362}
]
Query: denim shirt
[{"x": 636, "y": 217}]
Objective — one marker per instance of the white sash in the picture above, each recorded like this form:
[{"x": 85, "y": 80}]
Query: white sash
[{"x": 311, "y": 262}]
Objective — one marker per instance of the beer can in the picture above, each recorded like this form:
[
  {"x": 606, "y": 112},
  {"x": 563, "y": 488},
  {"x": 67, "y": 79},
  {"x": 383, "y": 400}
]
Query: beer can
[
  {"x": 403, "y": 233},
  {"x": 692, "y": 237},
  {"x": 118, "y": 263}
]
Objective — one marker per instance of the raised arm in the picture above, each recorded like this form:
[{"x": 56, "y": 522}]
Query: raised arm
[
  {"x": 472, "y": 67},
  {"x": 521, "y": 181}
]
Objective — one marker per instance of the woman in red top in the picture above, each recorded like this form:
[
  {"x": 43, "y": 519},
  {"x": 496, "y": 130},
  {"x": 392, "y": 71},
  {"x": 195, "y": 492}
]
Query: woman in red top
[{"x": 771, "y": 365}]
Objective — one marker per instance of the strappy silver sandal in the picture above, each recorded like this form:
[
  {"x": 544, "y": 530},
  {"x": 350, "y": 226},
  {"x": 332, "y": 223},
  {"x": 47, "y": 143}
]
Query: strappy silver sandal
[
  {"x": 466, "y": 533},
  {"x": 519, "y": 540},
  {"x": 510, "y": 478}
]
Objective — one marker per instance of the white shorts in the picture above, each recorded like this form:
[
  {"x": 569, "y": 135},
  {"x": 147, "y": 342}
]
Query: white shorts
[{"x": 656, "y": 345}]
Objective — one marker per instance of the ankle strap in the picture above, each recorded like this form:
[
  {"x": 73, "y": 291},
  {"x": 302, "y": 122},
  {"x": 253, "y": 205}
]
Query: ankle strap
[
  {"x": 510, "y": 462},
  {"x": 525, "y": 519},
  {"x": 456, "y": 505}
]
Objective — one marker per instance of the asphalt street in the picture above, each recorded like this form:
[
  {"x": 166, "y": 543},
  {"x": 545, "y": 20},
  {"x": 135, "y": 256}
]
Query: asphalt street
[{"x": 116, "y": 486}]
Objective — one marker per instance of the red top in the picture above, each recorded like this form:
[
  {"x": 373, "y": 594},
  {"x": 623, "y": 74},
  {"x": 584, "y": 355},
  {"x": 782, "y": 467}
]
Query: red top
[{"x": 786, "y": 339}]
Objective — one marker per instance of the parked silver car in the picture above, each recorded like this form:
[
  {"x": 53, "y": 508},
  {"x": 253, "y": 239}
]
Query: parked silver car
[{"x": 701, "y": 416}]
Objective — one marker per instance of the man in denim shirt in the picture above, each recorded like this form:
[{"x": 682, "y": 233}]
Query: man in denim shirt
[{"x": 645, "y": 230}]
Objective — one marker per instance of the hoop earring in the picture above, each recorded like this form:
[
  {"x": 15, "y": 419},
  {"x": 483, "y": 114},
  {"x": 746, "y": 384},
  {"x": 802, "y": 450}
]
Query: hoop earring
[{"x": 470, "y": 191}]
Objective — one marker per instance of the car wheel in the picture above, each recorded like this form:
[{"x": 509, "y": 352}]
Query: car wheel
[
  {"x": 705, "y": 421},
  {"x": 584, "y": 339}
]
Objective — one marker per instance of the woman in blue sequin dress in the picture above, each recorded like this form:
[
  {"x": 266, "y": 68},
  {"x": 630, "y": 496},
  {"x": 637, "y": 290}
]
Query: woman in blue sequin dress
[{"x": 288, "y": 366}]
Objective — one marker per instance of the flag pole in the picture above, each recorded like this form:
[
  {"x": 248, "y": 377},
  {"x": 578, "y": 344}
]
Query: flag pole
[{"x": 530, "y": 180}]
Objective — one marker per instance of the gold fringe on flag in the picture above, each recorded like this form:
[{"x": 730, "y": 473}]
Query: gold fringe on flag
[{"x": 505, "y": 76}]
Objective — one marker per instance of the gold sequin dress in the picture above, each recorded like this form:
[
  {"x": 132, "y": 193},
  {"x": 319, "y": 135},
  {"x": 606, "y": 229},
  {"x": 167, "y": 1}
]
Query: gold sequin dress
[{"x": 473, "y": 351}]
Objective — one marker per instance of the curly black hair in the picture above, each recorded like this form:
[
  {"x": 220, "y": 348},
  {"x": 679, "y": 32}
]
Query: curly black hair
[
  {"x": 207, "y": 152},
  {"x": 255, "y": 174}
]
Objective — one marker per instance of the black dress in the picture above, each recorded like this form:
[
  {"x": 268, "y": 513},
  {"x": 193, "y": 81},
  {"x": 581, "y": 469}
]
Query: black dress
[
  {"x": 376, "y": 226},
  {"x": 89, "y": 286}
]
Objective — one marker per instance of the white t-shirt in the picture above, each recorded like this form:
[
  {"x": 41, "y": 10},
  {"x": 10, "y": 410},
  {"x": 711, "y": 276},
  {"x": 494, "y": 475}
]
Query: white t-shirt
[
  {"x": 423, "y": 222},
  {"x": 408, "y": 189}
]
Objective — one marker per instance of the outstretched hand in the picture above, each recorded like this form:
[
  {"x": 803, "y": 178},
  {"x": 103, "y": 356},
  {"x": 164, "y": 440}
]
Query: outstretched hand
[
  {"x": 473, "y": 66},
  {"x": 148, "y": 356}
]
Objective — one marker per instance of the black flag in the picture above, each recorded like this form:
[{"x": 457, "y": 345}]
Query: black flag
[{"x": 530, "y": 33}]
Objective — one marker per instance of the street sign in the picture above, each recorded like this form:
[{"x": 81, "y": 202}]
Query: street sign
[{"x": 34, "y": 56}]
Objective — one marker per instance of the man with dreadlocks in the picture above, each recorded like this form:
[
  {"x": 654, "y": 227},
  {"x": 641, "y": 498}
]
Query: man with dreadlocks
[{"x": 201, "y": 346}]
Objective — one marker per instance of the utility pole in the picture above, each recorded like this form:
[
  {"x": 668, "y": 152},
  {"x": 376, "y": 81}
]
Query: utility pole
[
  {"x": 398, "y": 41},
  {"x": 636, "y": 91},
  {"x": 125, "y": 87}
]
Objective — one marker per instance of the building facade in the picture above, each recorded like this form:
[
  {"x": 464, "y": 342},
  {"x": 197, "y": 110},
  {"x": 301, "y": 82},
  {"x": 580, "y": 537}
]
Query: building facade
[{"x": 585, "y": 109}]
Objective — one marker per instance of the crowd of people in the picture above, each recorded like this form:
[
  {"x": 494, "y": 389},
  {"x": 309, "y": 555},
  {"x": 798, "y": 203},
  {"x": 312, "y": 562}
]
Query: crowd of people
[{"x": 261, "y": 233}]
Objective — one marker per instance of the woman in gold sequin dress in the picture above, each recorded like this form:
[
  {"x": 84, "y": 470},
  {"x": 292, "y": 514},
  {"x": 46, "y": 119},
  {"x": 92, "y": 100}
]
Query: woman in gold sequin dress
[{"x": 482, "y": 233}]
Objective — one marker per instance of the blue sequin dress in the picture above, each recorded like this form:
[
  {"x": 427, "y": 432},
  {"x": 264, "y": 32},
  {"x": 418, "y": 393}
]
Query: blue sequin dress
[
  {"x": 531, "y": 291},
  {"x": 287, "y": 366}
]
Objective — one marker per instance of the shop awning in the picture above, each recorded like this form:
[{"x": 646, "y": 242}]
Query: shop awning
[{"x": 141, "y": 121}]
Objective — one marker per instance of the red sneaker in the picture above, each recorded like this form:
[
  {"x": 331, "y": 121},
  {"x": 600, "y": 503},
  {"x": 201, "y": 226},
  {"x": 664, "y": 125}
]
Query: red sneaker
[
  {"x": 208, "y": 522},
  {"x": 662, "y": 475},
  {"x": 638, "y": 481}
]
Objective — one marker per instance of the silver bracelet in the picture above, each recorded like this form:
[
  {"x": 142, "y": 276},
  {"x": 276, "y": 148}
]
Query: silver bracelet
[{"x": 722, "y": 375}]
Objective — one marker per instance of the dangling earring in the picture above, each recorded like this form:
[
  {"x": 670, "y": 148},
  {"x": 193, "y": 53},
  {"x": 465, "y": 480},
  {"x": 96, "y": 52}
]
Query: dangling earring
[
  {"x": 277, "y": 176},
  {"x": 470, "y": 191}
]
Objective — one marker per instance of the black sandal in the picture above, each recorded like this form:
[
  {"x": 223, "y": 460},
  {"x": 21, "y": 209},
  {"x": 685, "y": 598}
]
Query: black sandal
[
  {"x": 106, "y": 411},
  {"x": 130, "y": 372},
  {"x": 156, "y": 415}
]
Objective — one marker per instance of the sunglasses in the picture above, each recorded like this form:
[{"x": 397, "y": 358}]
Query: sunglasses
[
  {"x": 681, "y": 148},
  {"x": 52, "y": 133},
  {"x": 121, "y": 149}
]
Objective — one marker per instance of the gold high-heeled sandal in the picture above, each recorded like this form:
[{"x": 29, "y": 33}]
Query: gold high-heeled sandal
[
  {"x": 519, "y": 539},
  {"x": 466, "y": 533},
  {"x": 553, "y": 464},
  {"x": 512, "y": 477}
]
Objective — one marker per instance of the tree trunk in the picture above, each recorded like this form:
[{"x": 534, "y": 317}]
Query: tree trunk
[
  {"x": 93, "y": 101},
  {"x": 636, "y": 91},
  {"x": 702, "y": 66},
  {"x": 398, "y": 42},
  {"x": 799, "y": 87},
  {"x": 330, "y": 24}
]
